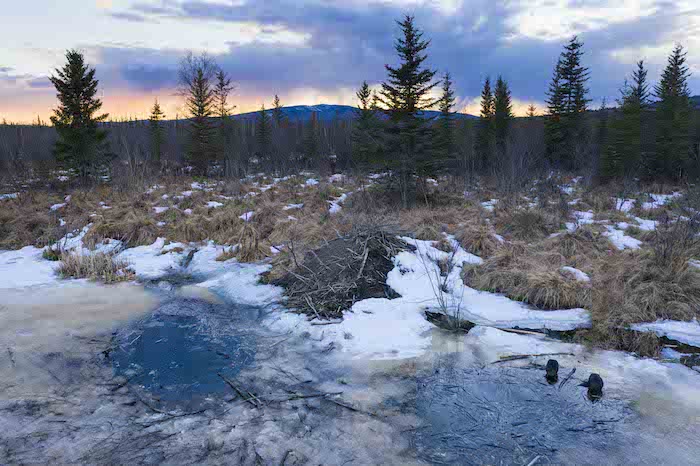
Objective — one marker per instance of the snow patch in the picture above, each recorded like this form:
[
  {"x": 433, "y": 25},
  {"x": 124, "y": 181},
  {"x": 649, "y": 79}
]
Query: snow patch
[
  {"x": 25, "y": 267},
  {"x": 214, "y": 204},
  {"x": 620, "y": 240},
  {"x": 246, "y": 217},
  {"x": 576, "y": 274},
  {"x": 684, "y": 332}
]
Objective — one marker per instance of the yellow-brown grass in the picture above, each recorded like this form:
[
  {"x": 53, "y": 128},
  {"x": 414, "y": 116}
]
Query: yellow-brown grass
[
  {"x": 527, "y": 224},
  {"x": 27, "y": 220},
  {"x": 529, "y": 275},
  {"x": 478, "y": 238},
  {"x": 99, "y": 266}
]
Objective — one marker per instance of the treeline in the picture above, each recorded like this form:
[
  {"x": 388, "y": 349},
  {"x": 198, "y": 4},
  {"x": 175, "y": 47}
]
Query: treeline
[{"x": 653, "y": 132}]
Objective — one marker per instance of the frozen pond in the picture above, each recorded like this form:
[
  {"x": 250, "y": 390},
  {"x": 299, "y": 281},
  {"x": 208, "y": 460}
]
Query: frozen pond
[
  {"x": 130, "y": 375},
  {"x": 174, "y": 354}
]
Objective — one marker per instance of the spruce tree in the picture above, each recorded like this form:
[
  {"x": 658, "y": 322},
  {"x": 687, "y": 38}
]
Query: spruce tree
[
  {"x": 567, "y": 103},
  {"x": 672, "y": 119},
  {"x": 445, "y": 137},
  {"x": 263, "y": 135},
  {"x": 531, "y": 111},
  {"x": 279, "y": 120},
  {"x": 196, "y": 80},
  {"x": 222, "y": 91},
  {"x": 502, "y": 115},
  {"x": 366, "y": 128},
  {"x": 311, "y": 145},
  {"x": 623, "y": 156},
  {"x": 81, "y": 143},
  {"x": 485, "y": 135},
  {"x": 277, "y": 113},
  {"x": 157, "y": 134},
  {"x": 405, "y": 94}
]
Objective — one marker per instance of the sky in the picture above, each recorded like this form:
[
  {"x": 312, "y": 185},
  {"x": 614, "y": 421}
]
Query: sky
[{"x": 320, "y": 51}]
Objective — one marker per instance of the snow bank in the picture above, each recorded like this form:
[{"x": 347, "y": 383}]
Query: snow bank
[
  {"x": 153, "y": 261},
  {"x": 239, "y": 283},
  {"x": 311, "y": 182},
  {"x": 25, "y": 267},
  {"x": 684, "y": 332},
  {"x": 8, "y": 196}
]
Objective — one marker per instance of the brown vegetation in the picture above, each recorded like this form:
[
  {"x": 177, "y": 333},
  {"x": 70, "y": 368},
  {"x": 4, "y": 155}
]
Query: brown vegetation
[{"x": 99, "y": 266}]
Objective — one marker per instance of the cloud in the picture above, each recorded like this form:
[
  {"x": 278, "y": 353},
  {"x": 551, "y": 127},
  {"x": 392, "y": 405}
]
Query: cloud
[
  {"x": 322, "y": 49},
  {"x": 40, "y": 83},
  {"x": 126, "y": 16}
]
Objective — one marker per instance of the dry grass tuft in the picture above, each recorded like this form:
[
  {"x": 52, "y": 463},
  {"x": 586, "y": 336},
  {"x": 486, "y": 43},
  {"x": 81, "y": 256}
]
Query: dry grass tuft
[
  {"x": 132, "y": 226},
  {"x": 27, "y": 220},
  {"x": 532, "y": 276},
  {"x": 251, "y": 247},
  {"x": 527, "y": 224},
  {"x": 102, "y": 267},
  {"x": 478, "y": 238}
]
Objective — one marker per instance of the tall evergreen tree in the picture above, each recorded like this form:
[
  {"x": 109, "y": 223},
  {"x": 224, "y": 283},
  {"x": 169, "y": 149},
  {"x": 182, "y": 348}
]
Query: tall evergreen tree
[
  {"x": 502, "y": 115},
  {"x": 366, "y": 129},
  {"x": 623, "y": 155},
  {"x": 485, "y": 136},
  {"x": 225, "y": 144},
  {"x": 311, "y": 144},
  {"x": 263, "y": 134},
  {"x": 405, "y": 94},
  {"x": 672, "y": 118},
  {"x": 157, "y": 134},
  {"x": 196, "y": 85},
  {"x": 553, "y": 123},
  {"x": 81, "y": 143},
  {"x": 277, "y": 113},
  {"x": 567, "y": 104},
  {"x": 445, "y": 136}
]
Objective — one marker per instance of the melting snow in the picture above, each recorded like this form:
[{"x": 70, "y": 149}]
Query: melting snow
[
  {"x": 25, "y": 267},
  {"x": 57, "y": 206},
  {"x": 311, "y": 182},
  {"x": 246, "y": 217},
  {"x": 8, "y": 196},
  {"x": 489, "y": 205},
  {"x": 293, "y": 206},
  {"x": 576, "y": 274},
  {"x": 160, "y": 210},
  {"x": 148, "y": 261},
  {"x": 214, "y": 204},
  {"x": 620, "y": 240},
  {"x": 684, "y": 332}
]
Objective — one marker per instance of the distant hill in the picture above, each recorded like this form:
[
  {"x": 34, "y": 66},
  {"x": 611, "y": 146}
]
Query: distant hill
[
  {"x": 325, "y": 113},
  {"x": 694, "y": 102}
]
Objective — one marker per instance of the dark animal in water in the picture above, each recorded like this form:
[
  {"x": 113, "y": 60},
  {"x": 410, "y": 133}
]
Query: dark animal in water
[
  {"x": 552, "y": 371},
  {"x": 595, "y": 386}
]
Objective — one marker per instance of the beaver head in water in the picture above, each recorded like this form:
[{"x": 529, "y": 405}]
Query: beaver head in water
[
  {"x": 595, "y": 386},
  {"x": 552, "y": 371}
]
